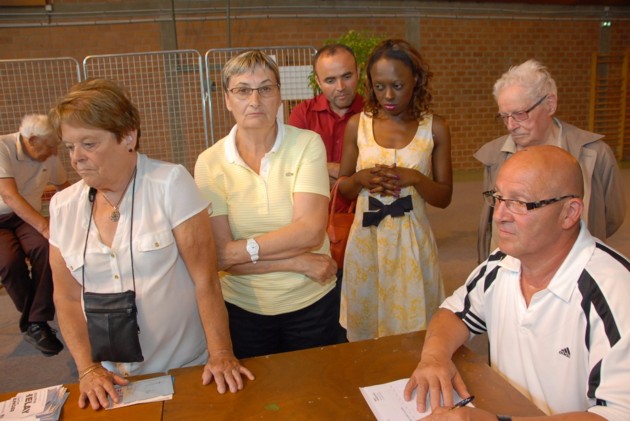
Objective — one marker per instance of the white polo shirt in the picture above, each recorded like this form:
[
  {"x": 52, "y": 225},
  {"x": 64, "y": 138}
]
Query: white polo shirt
[
  {"x": 570, "y": 349},
  {"x": 31, "y": 177}
]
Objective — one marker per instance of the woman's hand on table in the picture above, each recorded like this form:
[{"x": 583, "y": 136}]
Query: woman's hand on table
[
  {"x": 226, "y": 371},
  {"x": 97, "y": 385}
]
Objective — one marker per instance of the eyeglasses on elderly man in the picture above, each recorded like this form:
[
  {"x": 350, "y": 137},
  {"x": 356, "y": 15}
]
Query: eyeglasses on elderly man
[
  {"x": 519, "y": 116},
  {"x": 518, "y": 206}
]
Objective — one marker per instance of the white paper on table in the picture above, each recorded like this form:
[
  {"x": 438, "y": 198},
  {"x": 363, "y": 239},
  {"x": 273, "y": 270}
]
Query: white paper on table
[
  {"x": 387, "y": 401},
  {"x": 142, "y": 391}
]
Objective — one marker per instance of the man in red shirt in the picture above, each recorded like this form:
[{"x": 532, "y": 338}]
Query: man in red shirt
[
  {"x": 327, "y": 114},
  {"x": 337, "y": 76}
]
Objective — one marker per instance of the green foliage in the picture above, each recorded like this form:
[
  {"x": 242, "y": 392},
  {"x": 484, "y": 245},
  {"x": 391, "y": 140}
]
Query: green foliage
[{"x": 362, "y": 44}]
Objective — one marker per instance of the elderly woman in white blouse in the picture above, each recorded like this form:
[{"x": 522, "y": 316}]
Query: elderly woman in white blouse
[{"x": 137, "y": 229}]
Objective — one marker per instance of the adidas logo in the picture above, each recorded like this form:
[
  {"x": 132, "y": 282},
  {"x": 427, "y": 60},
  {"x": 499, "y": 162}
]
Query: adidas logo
[{"x": 565, "y": 352}]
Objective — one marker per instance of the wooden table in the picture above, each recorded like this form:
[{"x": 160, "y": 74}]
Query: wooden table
[{"x": 323, "y": 384}]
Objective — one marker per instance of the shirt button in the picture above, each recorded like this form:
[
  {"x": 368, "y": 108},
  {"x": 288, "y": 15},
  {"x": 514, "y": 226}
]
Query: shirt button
[
  {"x": 115, "y": 276},
  {"x": 156, "y": 244},
  {"x": 112, "y": 255}
]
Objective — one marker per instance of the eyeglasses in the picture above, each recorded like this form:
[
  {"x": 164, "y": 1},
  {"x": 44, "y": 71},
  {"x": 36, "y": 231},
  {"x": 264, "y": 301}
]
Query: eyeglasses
[
  {"x": 518, "y": 206},
  {"x": 266, "y": 91},
  {"x": 519, "y": 115}
]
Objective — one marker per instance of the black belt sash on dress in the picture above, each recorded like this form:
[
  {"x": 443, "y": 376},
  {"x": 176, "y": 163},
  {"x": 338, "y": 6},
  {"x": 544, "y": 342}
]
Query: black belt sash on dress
[{"x": 395, "y": 209}]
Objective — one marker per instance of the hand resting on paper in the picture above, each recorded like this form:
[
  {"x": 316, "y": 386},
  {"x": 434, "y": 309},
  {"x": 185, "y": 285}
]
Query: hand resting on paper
[
  {"x": 438, "y": 377},
  {"x": 97, "y": 385}
]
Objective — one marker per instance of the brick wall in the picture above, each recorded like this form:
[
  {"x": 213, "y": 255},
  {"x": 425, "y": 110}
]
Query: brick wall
[
  {"x": 78, "y": 41},
  {"x": 465, "y": 55}
]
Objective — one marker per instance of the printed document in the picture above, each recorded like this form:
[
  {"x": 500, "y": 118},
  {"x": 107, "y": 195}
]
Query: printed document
[
  {"x": 387, "y": 402},
  {"x": 37, "y": 405}
]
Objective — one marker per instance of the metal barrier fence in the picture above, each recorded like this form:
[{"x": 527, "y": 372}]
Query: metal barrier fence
[
  {"x": 295, "y": 68},
  {"x": 167, "y": 88},
  {"x": 182, "y": 112},
  {"x": 32, "y": 87}
]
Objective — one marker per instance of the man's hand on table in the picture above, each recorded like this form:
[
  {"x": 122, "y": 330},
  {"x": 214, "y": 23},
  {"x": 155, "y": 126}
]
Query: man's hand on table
[{"x": 437, "y": 376}]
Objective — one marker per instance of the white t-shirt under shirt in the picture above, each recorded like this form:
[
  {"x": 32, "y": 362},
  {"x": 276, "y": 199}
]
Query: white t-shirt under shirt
[{"x": 171, "y": 333}]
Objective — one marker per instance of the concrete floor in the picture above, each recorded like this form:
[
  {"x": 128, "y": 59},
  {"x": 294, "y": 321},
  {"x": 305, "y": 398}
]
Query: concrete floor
[{"x": 23, "y": 368}]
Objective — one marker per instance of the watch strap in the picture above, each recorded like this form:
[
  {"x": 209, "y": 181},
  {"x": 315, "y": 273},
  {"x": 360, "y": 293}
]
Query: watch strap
[{"x": 252, "y": 248}]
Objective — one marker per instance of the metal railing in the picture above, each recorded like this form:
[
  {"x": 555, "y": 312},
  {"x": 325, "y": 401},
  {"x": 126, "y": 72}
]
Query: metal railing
[{"x": 167, "y": 87}]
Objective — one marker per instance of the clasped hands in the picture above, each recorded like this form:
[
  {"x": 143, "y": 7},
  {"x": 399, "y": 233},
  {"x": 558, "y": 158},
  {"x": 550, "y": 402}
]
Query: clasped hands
[{"x": 386, "y": 180}]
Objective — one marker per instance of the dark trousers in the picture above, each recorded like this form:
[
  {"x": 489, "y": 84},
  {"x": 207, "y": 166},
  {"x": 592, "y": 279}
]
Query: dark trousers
[
  {"x": 255, "y": 334},
  {"x": 31, "y": 293}
]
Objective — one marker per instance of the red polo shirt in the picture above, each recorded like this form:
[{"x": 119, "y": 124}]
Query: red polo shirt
[{"x": 315, "y": 114}]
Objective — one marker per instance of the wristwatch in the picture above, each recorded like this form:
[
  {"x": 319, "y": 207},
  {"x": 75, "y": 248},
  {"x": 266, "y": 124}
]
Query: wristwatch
[
  {"x": 504, "y": 418},
  {"x": 252, "y": 249}
]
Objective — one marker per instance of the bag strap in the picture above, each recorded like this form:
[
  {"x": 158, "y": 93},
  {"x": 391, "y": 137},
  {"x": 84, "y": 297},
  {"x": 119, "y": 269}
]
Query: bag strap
[
  {"x": 333, "y": 201},
  {"x": 91, "y": 198}
]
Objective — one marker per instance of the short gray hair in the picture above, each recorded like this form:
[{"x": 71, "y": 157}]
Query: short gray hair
[
  {"x": 532, "y": 76},
  {"x": 36, "y": 125},
  {"x": 246, "y": 62}
]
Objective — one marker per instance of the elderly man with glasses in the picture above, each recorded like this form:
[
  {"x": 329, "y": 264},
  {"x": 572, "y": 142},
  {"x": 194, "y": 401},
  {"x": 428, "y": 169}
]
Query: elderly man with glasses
[
  {"x": 527, "y": 99},
  {"x": 553, "y": 300}
]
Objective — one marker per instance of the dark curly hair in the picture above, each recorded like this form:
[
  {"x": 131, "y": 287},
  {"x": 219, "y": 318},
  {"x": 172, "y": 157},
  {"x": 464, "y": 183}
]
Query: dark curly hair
[{"x": 401, "y": 50}]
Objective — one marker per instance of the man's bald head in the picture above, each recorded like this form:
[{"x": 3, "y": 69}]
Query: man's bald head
[
  {"x": 548, "y": 170},
  {"x": 548, "y": 181}
]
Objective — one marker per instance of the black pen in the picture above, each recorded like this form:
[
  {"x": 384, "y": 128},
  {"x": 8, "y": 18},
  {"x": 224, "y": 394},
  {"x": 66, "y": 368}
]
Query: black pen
[{"x": 464, "y": 402}]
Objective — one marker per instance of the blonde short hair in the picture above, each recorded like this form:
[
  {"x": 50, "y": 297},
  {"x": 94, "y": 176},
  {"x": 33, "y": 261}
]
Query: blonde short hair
[{"x": 245, "y": 62}]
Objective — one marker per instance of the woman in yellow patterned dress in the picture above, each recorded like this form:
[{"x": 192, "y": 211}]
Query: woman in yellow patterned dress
[{"x": 397, "y": 156}]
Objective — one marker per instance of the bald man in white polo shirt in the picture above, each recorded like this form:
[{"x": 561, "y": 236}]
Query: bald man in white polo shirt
[{"x": 552, "y": 298}]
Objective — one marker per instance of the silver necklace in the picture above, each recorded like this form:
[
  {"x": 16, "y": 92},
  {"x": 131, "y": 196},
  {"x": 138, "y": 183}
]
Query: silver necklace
[{"x": 115, "y": 215}]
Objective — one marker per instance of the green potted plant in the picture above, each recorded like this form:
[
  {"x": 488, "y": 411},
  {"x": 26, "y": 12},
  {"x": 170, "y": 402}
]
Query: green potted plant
[{"x": 362, "y": 44}]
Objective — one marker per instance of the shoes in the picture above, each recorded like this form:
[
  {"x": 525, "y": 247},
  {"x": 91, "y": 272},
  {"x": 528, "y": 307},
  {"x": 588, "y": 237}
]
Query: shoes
[
  {"x": 44, "y": 338},
  {"x": 24, "y": 324}
]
